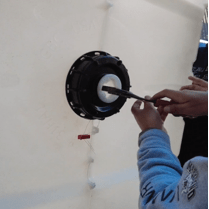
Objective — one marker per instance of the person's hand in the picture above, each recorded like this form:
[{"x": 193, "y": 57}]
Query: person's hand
[
  {"x": 185, "y": 102},
  {"x": 197, "y": 84},
  {"x": 149, "y": 117}
]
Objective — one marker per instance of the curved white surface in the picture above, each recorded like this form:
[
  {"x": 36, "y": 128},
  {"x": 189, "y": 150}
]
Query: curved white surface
[
  {"x": 108, "y": 80},
  {"x": 43, "y": 164}
]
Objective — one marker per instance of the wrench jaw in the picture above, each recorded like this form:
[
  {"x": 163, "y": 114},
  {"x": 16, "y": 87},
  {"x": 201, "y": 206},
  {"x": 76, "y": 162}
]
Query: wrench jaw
[
  {"x": 118, "y": 92},
  {"x": 123, "y": 93}
]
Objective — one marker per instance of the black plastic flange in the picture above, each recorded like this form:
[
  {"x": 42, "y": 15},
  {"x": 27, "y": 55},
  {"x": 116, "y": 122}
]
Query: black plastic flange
[{"x": 82, "y": 81}]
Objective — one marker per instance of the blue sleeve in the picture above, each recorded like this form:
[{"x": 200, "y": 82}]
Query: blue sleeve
[
  {"x": 163, "y": 182},
  {"x": 158, "y": 166}
]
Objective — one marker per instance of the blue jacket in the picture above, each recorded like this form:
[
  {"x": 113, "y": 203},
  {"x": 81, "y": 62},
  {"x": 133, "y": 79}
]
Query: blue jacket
[{"x": 163, "y": 182}]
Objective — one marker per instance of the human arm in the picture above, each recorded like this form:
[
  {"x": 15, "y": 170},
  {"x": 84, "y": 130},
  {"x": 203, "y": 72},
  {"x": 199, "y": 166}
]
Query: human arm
[
  {"x": 197, "y": 84},
  {"x": 162, "y": 179},
  {"x": 186, "y": 102},
  {"x": 163, "y": 182}
]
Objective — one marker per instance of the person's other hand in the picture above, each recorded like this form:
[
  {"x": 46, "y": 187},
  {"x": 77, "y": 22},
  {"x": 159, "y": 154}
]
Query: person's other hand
[
  {"x": 149, "y": 117},
  {"x": 197, "y": 84},
  {"x": 185, "y": 102}
]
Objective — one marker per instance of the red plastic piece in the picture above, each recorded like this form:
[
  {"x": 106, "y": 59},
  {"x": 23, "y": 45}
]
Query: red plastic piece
[{"x": 84, "y": 136}]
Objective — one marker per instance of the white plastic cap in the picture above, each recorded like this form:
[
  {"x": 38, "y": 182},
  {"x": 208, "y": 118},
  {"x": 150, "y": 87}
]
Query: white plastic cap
[{"x": 108, "y": 80}]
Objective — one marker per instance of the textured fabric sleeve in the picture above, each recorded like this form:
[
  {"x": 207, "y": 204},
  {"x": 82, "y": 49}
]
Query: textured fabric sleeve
[{"x": 161, "y": 176}]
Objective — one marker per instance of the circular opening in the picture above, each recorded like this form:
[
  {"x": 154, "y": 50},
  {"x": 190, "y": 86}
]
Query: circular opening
[
  {"x": 108, "y": 80},
  {"x": 86, "y": 77}
]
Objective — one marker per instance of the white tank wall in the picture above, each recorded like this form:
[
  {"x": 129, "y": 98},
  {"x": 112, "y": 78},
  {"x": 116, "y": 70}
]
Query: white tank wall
[{"x": 43, "y": 165}]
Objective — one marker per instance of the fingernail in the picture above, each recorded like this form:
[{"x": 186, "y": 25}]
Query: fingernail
[
  {"x": 167, "y": 109},
  {"x": 147, "y": 97},
  {"x": 136, "y": 106}
]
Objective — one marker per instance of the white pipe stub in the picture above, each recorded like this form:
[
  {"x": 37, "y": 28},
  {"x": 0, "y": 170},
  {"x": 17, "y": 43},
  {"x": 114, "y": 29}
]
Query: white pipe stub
[{"x": 108, "y": 80}]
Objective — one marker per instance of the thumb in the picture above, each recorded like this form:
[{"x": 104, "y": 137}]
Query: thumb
[
  {"x": 189, "y": 87},
  {"x": 136, "y": 106},
  {"x": 148, "y": 104}
]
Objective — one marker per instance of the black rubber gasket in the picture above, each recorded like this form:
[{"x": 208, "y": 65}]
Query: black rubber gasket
[{"x": 82, "y": 81}]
